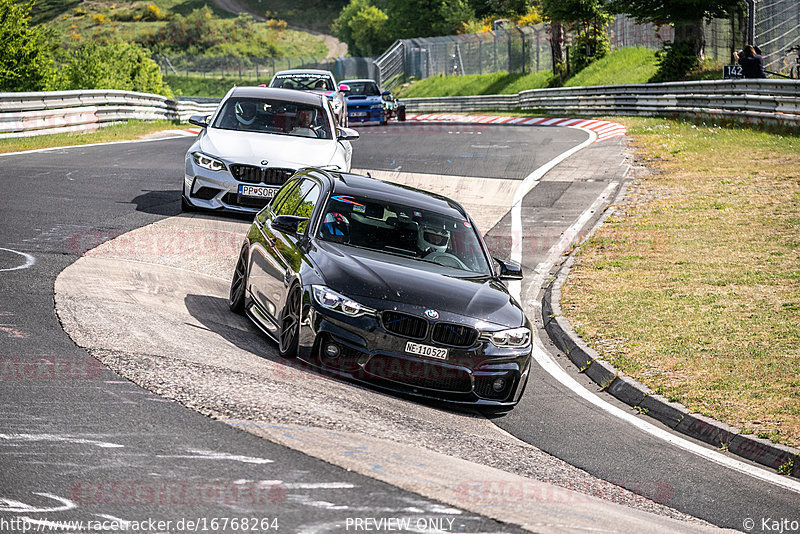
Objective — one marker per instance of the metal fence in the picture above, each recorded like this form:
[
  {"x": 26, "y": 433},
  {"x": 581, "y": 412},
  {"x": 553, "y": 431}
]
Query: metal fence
[
  {"x": 527, "y": 49},
  {"x": 522, "y": 50},
  {"x": 722, "y": 35},
  {"x": 777, "y": 33},
  {"x": 516, "y": 49},
  {"x": 260, "y": 70}
]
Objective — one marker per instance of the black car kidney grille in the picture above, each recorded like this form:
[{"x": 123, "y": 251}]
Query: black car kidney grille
[
  {"x": 255, "y": 175},
  {"x": 420, "y": 374},
  {"x": 454, "y": 334},
  {"x": 404, "y": 325}
]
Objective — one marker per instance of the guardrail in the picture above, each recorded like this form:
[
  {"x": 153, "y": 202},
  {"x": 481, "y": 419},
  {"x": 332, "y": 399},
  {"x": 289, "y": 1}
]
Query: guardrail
[
  {"x": 775, "y": 102},
  {"x": 26, "y": 114}
]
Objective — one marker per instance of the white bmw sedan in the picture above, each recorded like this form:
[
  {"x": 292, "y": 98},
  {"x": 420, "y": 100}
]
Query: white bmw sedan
[{"x": 255, "y": 141}]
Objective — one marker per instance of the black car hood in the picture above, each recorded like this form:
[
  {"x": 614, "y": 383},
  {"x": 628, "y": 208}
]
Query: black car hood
[{"x": 391, "y": 282}]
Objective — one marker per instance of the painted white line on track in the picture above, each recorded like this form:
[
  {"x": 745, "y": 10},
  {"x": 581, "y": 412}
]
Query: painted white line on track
[
  {"x": 531, "y": 181},
  {"x": 544, "y": 360},
  {"x": 52, "y": 148},
  {"x": 555, "y": 370},
  {"x": 29, "y": 260}
]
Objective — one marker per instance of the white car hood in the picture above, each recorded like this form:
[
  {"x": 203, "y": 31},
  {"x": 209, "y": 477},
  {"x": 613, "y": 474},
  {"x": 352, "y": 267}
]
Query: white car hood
[{"x": 279, "y": 150}]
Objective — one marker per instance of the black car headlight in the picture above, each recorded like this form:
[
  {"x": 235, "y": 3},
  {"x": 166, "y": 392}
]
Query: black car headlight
[
  {"x": 330, "y": 299},
  {"x": 207, "y": 162},
  {"x": 513, "y": 337}
]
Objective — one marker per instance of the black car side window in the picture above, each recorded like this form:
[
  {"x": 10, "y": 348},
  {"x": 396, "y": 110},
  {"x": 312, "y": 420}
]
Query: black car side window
[
  {"x": 282, "y": 195},
  {"x": 300, "y": 202}
]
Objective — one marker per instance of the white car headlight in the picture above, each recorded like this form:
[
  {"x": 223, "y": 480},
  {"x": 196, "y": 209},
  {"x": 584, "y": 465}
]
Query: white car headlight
[
  {"x": 207, "y": 162},
  {"x": 327, "y": 298},
  {"x": 376, "y": 106},
  {"x": 514, "y": 337}
]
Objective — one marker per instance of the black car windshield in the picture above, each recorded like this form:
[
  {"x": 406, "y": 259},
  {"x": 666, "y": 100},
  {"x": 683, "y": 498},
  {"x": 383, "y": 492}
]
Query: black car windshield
[
  {"x": 303, "y": 82},
  {"x": 407, "y": 231},
  {"x": 362, "y": 89},
  {"x": 273, "y": 116}
]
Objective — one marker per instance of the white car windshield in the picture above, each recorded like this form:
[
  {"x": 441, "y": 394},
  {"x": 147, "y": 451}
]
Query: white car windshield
[
  {"x": 273, "y": 116},
  {"x": 391, "y": 228},
  {"x": 304, "y": 82}
]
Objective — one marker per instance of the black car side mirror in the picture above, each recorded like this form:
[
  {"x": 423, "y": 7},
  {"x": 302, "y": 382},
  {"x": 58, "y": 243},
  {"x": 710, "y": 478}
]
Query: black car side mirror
[
  {"x": 509, "y": 270},
  {"x": 199, "y": 120},
  {"x": 287, "y": 223}
]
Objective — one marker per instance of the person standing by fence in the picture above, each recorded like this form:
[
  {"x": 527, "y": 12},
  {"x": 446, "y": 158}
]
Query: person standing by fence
[{"x": 751, "y": 61}]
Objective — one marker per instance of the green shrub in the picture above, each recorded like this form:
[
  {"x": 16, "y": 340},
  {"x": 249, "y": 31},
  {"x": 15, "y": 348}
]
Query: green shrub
[
  {"x": 675, "y": 61},
  {"x": 587, "y": 47},
  {"x": 26, "y": 61},
  {"x": 114, "y": 66}
]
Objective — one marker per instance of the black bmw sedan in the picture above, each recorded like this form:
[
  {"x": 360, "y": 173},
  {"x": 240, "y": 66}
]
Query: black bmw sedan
[{"x": 387, "y": 285}]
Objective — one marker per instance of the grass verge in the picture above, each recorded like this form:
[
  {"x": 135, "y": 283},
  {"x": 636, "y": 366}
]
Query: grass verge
[
  {"x": 497, "y": 83},
  {"x": 627, "y": 65},
  {"x": 118, "y": 132},
  {"x": 693, "y": 285}
]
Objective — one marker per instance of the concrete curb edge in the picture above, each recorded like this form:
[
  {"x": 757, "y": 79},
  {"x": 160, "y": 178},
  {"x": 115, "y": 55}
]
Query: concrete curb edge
[{"x": 676, "y": 416}]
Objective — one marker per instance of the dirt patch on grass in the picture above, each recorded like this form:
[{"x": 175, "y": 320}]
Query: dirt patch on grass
[{"x": 693, "y": 286}]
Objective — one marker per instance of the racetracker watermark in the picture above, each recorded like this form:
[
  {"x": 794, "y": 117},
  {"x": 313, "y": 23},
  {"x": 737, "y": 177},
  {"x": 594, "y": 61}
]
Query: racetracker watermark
[
  {"x": 156, "y": 243},
  {"x": 780, "y": 525},
  {"x": 242, "y": 493},
  {"x": 50, "y": 368},
  {"x": 399, "y": 524},
  {"x": 520, "y": 492}
]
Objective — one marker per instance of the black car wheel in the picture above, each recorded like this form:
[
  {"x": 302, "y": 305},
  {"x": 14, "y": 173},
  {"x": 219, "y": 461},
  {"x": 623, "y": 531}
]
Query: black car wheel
[
  {"x": 401, "y": 114},
  {"x": 239, "y": 283},
  {"x": 290, "y": 324}
]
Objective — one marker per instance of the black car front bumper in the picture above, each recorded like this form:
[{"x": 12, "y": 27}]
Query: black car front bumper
[{"x": 481, "y": 374}]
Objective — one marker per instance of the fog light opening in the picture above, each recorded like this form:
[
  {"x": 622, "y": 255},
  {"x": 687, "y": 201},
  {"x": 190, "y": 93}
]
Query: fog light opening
[
  {"x": 499, "y": 384},
  {"x": 332, "y": 351}
]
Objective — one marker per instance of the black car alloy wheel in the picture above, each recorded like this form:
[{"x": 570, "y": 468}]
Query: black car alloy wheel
[
  {"x": 290, "y": 324},
  {"x": 239, "y": 283}
]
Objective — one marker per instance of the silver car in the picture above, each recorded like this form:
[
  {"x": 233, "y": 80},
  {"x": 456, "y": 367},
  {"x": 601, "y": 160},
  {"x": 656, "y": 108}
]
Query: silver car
[
  {"x": 255, "y": 141},
  {"x": 318, "y": 81}
]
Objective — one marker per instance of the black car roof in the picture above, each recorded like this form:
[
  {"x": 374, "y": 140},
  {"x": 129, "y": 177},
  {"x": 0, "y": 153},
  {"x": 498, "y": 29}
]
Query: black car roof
[
  {"x": 290, "y": 95},
  {"x": 358, "y": 185}
]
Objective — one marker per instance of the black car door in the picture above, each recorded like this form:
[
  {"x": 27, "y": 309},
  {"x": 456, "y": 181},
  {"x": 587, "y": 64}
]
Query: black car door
[{"x": 285, "y": 249}]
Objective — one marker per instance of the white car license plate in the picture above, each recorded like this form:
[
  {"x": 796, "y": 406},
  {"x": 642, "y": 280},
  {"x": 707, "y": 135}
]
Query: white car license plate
[
  {"x": 426, "y": 350},
  {"x": 256, "y": 191},
  {"x": 358, "y": 114}
]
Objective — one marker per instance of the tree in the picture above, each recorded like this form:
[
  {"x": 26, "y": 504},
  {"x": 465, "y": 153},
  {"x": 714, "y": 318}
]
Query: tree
[
  {"x": 363, "y": 27},
  {"x": 425, "y": 18},
  {"x": 26, "y": 61},
  {"x": 587, "y": 20},
  {"x": 687, "y": 17},
  {"x": 369, "y": 32},
  {"x": 501, "y": 8}
]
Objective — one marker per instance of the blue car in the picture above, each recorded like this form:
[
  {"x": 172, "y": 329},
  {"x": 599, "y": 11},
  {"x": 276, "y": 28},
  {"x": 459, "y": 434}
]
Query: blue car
[{"x": 367, "y": 103}]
